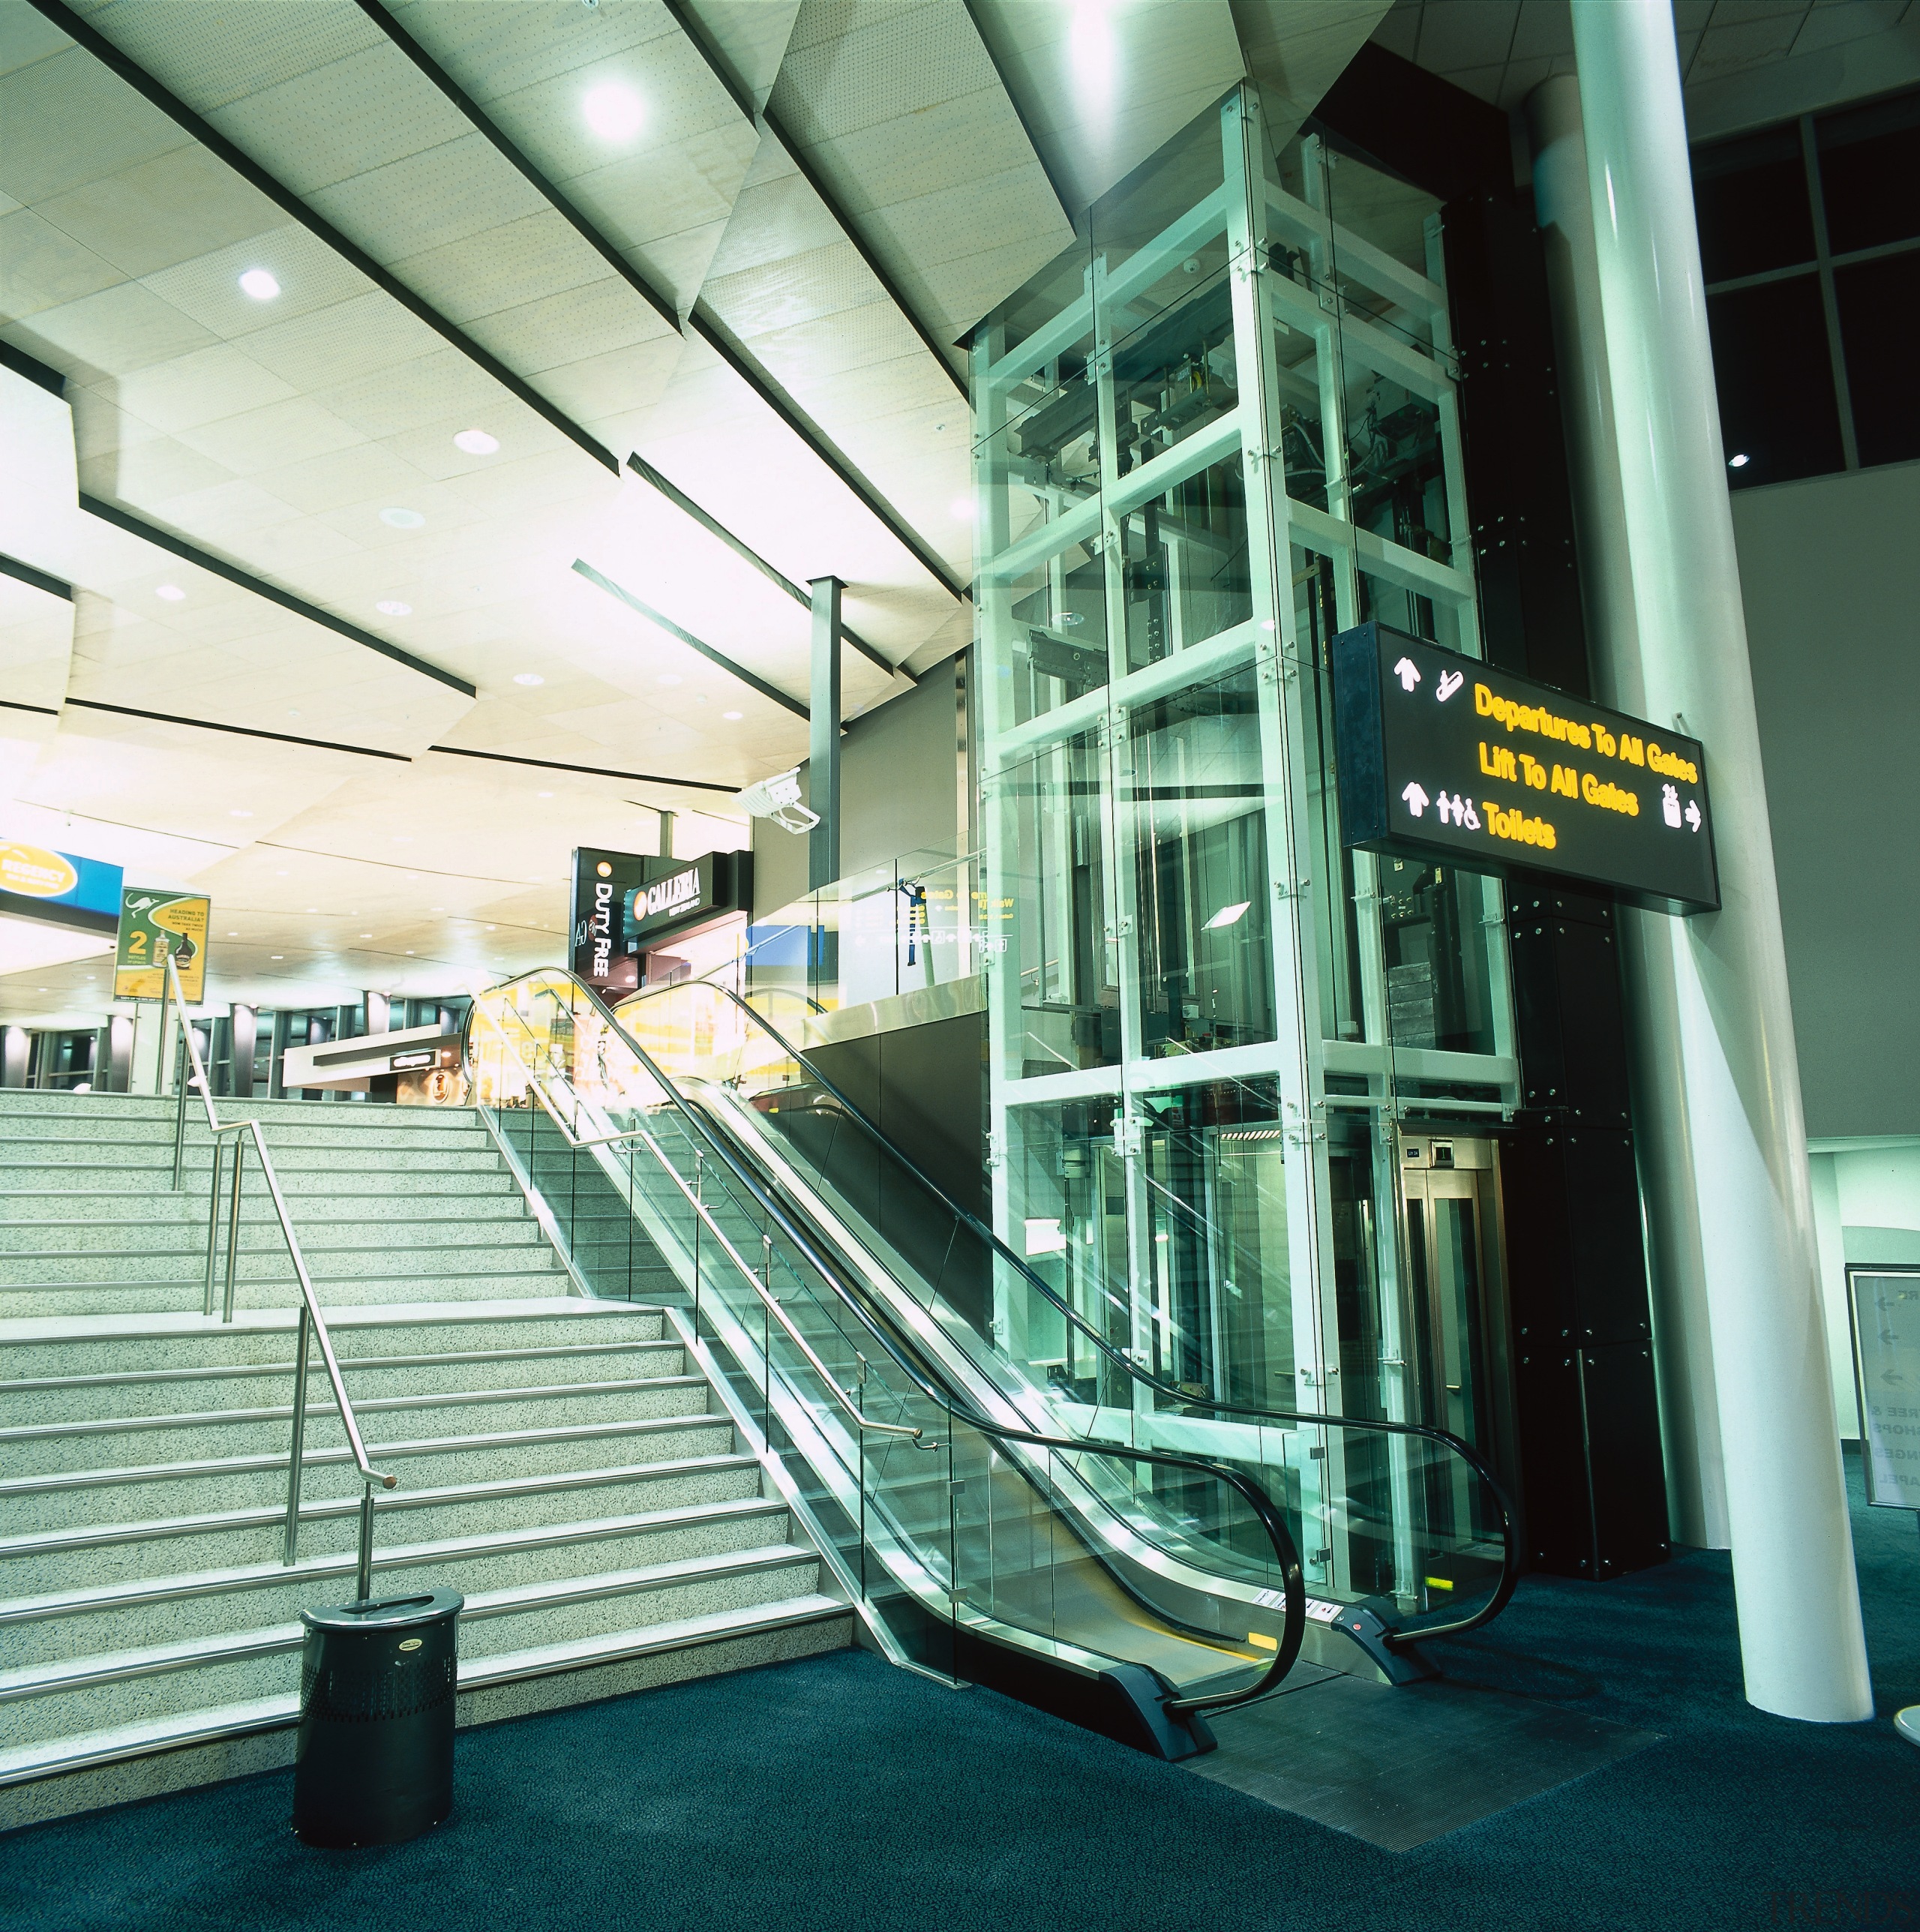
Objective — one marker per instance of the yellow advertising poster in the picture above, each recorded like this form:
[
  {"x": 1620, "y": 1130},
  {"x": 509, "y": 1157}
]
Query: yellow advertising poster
[{"x": 154, "y": 925}]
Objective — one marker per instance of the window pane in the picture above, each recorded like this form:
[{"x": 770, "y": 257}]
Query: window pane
[
  {"x": 1750, "y": 196},
  {"x": 1869, "y": 173},
  {"x": 1877, "y": 301},
  {"x": 1775, "y": 379}
]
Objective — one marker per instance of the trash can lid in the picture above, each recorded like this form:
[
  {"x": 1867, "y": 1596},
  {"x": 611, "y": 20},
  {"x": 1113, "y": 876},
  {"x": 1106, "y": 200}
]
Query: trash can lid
[{"x": 386, "y": 1612}]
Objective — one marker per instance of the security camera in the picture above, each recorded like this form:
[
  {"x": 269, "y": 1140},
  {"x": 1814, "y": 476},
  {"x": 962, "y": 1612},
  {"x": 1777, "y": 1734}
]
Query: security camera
[{"x": 778, "y": 799}]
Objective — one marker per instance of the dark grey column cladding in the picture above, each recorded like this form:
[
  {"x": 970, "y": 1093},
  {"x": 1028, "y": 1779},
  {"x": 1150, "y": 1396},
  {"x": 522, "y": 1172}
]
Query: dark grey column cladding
[{"x": 1594, "y": 1489}]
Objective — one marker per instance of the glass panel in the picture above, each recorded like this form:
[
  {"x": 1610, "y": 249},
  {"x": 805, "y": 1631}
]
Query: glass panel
[
  {"x": 1303, "y": 438},
  {"x": 1176, "y": 374},
  {"x": 1187, "y": 571},
  {"x": 1774, "y": 376},
  {"x": 1398, "y": 479},
  {"x": 1056, "y": 648},
  {"x": 1054, "y": 934},
  {"x": 1878, "y": 301},
  {"x": 1870, "y": 172},
  {"x": 1750, "y": 195},
  {"x": 1435, "y": 939},
  {"x": 1204, "y": 921},
  {"x": 1161, "y": 228}
]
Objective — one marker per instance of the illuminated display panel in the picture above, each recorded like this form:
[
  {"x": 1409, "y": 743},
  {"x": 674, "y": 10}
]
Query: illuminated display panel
[{"x": 1443, "y": 756}]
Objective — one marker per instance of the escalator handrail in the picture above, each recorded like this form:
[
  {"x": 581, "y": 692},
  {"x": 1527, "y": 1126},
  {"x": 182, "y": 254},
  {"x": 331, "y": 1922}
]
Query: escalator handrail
[
  {"x": 1509, "y": 1539},
  {"x": 1293, "y": 1589}
]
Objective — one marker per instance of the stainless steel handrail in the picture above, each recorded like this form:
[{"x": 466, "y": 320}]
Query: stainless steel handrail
[
  {"x": 771, "y": 1302},
  {"x": 313, "y": 1326},
  {"x": 1293, "y": 1591},
  {"x": 1509, "y": 1578}
]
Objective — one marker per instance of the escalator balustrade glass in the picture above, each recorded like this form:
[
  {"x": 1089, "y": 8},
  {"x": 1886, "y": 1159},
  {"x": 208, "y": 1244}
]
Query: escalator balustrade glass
[
  {"x": 1390, "y": 1510},
  {"x": 962, "y": 1530}
]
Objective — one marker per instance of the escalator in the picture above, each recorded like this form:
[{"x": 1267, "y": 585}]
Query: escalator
[{"x": 1125, "y": 1553}]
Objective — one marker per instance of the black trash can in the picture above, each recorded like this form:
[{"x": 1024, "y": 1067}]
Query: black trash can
[{"x": 374, "y": 1762}]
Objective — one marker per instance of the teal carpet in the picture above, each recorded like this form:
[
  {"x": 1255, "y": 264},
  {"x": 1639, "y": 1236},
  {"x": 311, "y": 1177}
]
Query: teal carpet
[{"x": 838, "y": 1795}]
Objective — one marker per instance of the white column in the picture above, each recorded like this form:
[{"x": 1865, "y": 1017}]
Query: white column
[
  {"x": 1801, "y": 1645},
  {"x": 1683, "y": 1348}
]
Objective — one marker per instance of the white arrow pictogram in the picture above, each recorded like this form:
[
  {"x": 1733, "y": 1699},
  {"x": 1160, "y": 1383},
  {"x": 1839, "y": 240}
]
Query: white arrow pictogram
[
  {"x": 1408, "y": 672},
  {"x": 1692, "y": 815},
  {"x": 1415, "y": 797},
  {"x": 1451, "y": 681}
]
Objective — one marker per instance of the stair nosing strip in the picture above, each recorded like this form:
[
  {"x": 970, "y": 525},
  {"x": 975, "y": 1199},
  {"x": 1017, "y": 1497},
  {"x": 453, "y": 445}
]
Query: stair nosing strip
[
  {"x": 432, "y": 1445},
  {"x": 41, "y": 1543},
  {"x": 234, "y": 1371}
]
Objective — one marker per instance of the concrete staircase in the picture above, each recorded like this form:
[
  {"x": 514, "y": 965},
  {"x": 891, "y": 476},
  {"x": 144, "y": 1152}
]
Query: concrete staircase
[
  {"x": 562, "y": 1461},
  {"x": 391, "y": 1203}
]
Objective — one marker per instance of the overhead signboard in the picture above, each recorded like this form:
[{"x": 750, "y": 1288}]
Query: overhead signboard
[
  {"x": 155, "y": 926},
  {"x": 1443, "y": 756},
  {"x": 601, "y": 881},
  {"x": 61, "y": 888}
]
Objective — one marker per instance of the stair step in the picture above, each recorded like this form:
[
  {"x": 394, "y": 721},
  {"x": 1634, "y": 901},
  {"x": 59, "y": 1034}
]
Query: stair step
[
  {"x": 49, "y": 1400},
  {"x": 21, "y": 1762},
  {"x": 31, "y": 1503},
  {"x": 540, "y": 1567},
  {"x": 47, "y": 1561},
  {"x": 104, "y": 1343},
  {"x": 43, "y": 1449}
]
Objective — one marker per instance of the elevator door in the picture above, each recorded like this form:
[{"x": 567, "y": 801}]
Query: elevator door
[{"x": 1449, "y": 1232}]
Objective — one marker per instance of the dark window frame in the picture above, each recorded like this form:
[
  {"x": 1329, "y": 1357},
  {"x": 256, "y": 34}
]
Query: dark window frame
[{"x": 1823, "y": 263}]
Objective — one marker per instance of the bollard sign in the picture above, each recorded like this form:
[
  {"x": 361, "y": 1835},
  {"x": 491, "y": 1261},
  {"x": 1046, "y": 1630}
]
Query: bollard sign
[{"x": 1442, "y": 757}]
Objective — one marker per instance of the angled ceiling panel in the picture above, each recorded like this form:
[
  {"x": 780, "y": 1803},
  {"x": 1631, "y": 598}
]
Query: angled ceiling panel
[
  {"x": 1102, "y": 87},
  {"x": 897, "y": 104}
]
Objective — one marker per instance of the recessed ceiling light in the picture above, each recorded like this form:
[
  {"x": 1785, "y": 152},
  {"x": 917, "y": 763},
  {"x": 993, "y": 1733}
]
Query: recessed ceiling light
[
  {"x": 276, "y": 956},
  {"x": 528, "y": 677},
  {"x": 1737, "y": 462},
  {"x": 614, "y": 112},
  {"x": 476, "y": 442},
  {"x": 543, "y": 794},
  {"x": 237, "y": 813},
  {"x": 391, "y": 607},
  {"x": 410, "y": 952},
  {"x": 313, "y": 908},
  {"x": 366, "y": 935},
  {"x": 402, "y": 519},
  {"x": 962, "y": 508},
  {"x": 170, "y": 593},
  {"x": 259, "y": 284},
  {"x": 733, "y": 717},
  {"x": 403, "y": 838},
  {"x": 492, "y": 929},
  {"x": 671, "y": 677},
  {"x": 233, "y": 935},
  {"x": 280, "y": 875}
]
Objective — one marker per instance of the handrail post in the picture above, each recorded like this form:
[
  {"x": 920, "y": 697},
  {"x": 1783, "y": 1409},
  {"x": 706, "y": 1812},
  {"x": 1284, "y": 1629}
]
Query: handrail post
[
  {"x": 213, "y": 1223},
  {"x": 363, "y": 1586},
  {"x": 291, "y": 1551},
  {"x": 160, "y": 1064},
  {"x": 233, "y": 1228},
  {"x": 767, "y": 1340},
  {"x": 179, "y": 1130},
  {"x": 699, "y": 1180}
]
